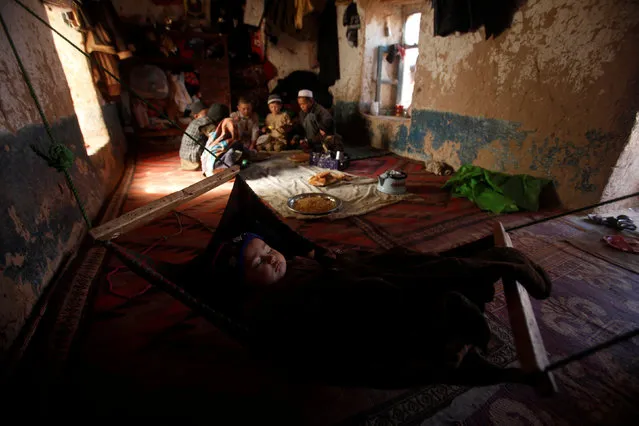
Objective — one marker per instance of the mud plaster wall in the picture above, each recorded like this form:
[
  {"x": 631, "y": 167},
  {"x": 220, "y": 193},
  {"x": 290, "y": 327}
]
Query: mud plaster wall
[
  {"x": 375, "y": 15},
  {"x": 40, "y": 220},
  {"x": 290, "y": 55},
  {"x": 384, "y": 130},
  {"x": 355, "y": 90},
  {"x": 556, "y": 95}
]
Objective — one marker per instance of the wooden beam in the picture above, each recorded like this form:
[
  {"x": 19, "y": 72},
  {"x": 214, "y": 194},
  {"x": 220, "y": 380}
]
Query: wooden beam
[
  {"x": 159, "y": 207},
  {"x": 530, "y": 346}
]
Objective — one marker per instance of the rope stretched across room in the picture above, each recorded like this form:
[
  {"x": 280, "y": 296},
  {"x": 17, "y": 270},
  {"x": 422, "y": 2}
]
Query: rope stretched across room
[
  {"x": 60, "y": 157},
  {"x": 124, "y": 85},
  {"x": 514, "y": 228},
  {"x": 579, "y": 210}
]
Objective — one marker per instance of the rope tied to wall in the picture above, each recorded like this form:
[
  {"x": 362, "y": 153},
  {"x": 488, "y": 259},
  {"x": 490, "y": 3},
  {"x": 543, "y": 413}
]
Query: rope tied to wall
[{"x": 59, "y": 157}]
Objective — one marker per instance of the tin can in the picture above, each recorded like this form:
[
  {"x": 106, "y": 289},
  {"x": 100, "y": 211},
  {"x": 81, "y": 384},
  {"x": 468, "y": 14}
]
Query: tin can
[{"x": 339, "y": 156}]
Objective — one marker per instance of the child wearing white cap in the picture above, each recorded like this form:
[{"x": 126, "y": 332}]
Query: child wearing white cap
[
  {"x": 315, "y": 120},
  {"x": 278, "y": 124}
]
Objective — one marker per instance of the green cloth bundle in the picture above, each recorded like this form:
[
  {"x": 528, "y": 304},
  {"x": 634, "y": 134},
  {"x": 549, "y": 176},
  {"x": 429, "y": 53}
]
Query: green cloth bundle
[{"x": 497, "y": 192}]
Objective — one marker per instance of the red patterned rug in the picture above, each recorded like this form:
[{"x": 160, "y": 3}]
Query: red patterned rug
[{"x": 165, "y": 361}]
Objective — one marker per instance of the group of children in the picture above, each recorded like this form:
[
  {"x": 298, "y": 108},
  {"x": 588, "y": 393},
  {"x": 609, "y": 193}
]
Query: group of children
[{"x": 231, "y": 137}]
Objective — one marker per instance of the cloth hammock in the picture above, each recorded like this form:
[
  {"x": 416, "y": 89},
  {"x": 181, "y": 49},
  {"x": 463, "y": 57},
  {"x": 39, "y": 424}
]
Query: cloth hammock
[
  {"x": 194, "y": 283},
  {"x": 178, "y": 279}
]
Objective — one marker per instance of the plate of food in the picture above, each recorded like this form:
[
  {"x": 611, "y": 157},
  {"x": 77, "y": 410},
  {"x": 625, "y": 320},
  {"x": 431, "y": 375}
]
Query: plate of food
[
  {"x": 328, "y": 178},
  {"x": 314, "y": 203}
]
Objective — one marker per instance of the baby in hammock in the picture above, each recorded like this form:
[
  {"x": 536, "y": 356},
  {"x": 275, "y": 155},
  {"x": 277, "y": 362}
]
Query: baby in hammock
[{"x": 402, "y": 305}]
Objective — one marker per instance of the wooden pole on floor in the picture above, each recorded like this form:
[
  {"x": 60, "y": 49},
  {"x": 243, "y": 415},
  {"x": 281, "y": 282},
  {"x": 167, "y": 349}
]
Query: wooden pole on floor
[
  {"x": 145, "y": 214},
  {"x": 530, "y": 346}
]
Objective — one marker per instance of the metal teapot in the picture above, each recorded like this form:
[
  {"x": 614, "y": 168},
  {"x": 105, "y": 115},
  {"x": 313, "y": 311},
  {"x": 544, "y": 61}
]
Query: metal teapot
[{"x": 392, "y": 182}]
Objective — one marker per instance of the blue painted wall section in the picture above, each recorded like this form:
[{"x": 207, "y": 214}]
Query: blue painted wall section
[
  {"x": 343, "y": 112},
  {"x": 351, "y": 124},
  {"x": 474, "y": 133},
  {"x": 575, "y": 164}
]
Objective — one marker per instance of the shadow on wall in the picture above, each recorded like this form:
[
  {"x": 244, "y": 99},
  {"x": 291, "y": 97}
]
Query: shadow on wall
[
  {"x": 351, "y": 124},
  {"x": 41, "y": 222}
]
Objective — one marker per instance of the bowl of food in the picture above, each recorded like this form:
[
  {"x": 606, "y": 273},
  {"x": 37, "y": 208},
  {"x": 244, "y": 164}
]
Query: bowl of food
[{"x": 314, "y": 203}]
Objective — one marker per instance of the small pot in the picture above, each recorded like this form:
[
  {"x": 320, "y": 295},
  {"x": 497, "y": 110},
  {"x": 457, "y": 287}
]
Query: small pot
[{"x": 392, "y": 182}]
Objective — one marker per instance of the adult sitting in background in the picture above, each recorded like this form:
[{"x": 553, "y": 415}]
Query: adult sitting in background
[{"x": 317, "y": 124}]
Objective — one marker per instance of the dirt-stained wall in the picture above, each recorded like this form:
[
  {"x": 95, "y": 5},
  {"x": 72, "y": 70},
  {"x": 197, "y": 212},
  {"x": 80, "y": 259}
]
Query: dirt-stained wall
[
  {"x": 355, "y": 91},
  {"x": 379, "y": 17},
  {"x": 40, "y": 219},
  {"x": 349, "y": 86},
  {"x": 556, "y": 95}
]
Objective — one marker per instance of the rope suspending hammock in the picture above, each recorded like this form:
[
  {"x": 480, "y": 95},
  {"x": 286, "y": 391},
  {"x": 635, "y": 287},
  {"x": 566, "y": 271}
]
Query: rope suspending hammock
[{"x": 175, "y": 278}]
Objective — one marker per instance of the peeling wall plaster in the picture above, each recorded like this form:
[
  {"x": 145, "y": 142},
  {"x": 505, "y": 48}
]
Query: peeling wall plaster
[
  {"x": 290, "y": 55},
  {"x": 376, "y": 14},
  {"x": 16, "y": 106},
  {"x": 553, "y": 96},
  {"x": 40, "y": 219},
  {"x": 348, "y": 87}
]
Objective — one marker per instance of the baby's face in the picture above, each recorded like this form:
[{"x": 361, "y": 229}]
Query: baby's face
[
  {"x": 275, "y": 107},
  {"x": 245, "y": 109},
  {"x": 263, "y": 265}
]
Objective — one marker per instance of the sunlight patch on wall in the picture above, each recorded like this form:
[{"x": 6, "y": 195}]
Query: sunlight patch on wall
[
  {"x": 87, "y": 102},
  {"x": 625, "y": 175}
]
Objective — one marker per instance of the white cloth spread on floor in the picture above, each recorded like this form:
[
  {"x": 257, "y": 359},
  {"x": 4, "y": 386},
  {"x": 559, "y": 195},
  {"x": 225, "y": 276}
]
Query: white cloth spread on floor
[{"x": 277, "y": 179}]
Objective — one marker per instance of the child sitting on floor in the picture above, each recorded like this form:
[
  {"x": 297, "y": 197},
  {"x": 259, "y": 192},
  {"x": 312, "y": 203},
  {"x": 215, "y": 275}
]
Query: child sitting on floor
[
  {"x": 247, "y": 123},
  {"x": 193, "y": 139},
  {"x": 278, "y": 123},
  {"x": 222, "y": 140}
]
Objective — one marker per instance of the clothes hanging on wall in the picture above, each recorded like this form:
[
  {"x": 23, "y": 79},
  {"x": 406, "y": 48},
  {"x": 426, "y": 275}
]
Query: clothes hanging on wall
[
  {"x": 302, "y": 8},
  {"x": 352, "y": 23},
  {"x": 280, "y": 17},
  {"x": 469, "y": 15},
  {"x": 328, "y": 46},
  {"x": 105, "y": 43}
]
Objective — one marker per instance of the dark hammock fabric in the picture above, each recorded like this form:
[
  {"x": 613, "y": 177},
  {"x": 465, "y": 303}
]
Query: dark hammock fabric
[
  {"x": 380, "y": 320},
  {"x": 197, "y": 279}
]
